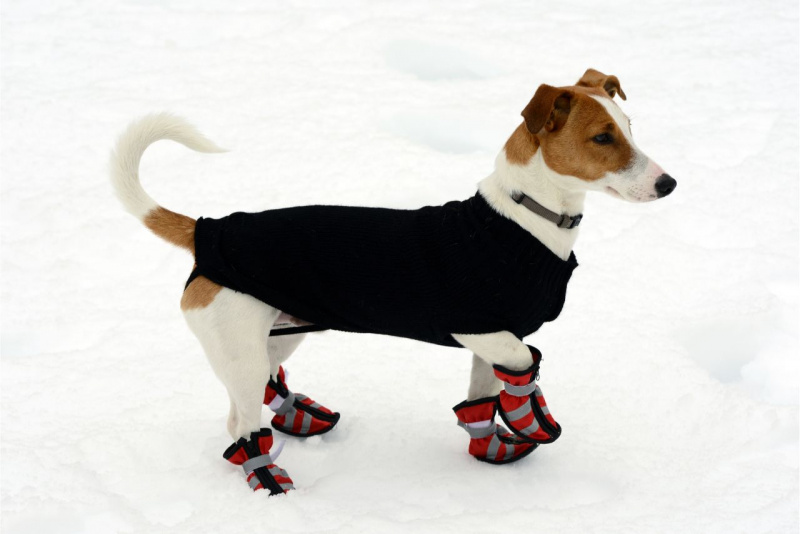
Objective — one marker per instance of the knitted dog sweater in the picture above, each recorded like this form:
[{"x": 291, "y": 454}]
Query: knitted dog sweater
[{"x": 422, "y": 274}]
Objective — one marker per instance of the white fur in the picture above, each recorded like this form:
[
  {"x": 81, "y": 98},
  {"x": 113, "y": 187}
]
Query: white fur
[
  {"x": 233, "y": 331},
  {"x": 132, "y": 144},
  {"x": 622, "y": 120},
  {"x": 280, "y": 348}
]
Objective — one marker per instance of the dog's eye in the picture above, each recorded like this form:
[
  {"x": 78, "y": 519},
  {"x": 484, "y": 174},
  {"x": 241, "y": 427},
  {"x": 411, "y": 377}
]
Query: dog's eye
[{"x": 603, "y": 139}]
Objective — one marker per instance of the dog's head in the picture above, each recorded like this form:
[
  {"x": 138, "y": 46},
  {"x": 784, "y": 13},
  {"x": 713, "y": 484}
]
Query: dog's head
[{"x": 585, "y": 141}]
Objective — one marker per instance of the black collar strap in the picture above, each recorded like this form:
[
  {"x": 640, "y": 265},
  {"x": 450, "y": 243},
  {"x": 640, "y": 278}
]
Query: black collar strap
[{"x": 561, "y": 220}]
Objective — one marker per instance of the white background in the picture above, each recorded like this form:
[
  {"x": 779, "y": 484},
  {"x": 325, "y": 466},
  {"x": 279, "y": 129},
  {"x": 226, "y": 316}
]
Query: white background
[{"x": 673, "y": 368}]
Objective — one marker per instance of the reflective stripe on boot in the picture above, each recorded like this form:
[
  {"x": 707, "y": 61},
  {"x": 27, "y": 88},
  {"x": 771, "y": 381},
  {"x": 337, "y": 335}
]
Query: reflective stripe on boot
[
  {"x": 259, "y": 467},
  {"x": 296, "y": 414},
  {"x": 489, "y": 442},
  {"x": 522, "y": 406}
]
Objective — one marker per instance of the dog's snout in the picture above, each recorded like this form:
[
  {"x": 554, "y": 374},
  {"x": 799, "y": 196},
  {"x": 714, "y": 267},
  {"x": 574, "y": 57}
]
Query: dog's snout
[{"x": 665, "y": 184}]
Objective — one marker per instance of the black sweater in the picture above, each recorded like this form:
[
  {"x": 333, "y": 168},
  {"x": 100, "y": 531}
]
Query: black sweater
[{"x": 422, "y": 274}]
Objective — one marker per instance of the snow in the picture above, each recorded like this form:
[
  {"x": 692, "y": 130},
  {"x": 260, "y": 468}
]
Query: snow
[{"x": 673, "y": 368}]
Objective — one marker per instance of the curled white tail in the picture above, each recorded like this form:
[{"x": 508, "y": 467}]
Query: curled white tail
[{"x": 125, "y": 173}]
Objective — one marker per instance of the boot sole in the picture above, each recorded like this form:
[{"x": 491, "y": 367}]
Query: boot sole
[{"x": 509, "y": 460}]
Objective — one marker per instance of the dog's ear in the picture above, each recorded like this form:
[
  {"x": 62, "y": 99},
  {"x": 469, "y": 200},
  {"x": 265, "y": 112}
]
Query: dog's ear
[
  {"x": 548, "y": 109},
  {"x": 609, "y": 84}
]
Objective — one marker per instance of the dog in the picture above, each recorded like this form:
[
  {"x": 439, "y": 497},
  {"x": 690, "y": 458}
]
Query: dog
[{"x": 479, "y": 274}]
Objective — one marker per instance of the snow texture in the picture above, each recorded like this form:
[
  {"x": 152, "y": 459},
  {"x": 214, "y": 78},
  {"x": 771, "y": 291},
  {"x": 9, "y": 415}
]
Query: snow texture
[{"x": 673, "y": 368}]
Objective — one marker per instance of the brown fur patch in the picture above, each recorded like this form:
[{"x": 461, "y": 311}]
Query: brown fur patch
[
  {"x": 521, "y": 146},
  {"x": 549, "y": 108},
  {"x": 199, "y": 294},
  {"x": 594, "y": 91},
  {"x": 176, "y": 228},
  {"x": 568, "y": 149},
  {"x": 609, "y": 84},
  {"x": 571, "y": 151}
]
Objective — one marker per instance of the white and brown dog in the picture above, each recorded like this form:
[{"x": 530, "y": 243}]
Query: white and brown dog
[{"x": 573, "y": 139}]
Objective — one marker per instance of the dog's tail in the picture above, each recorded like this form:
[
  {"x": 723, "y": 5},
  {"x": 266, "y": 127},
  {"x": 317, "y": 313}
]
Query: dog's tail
[{"x": 176, "y": 228}]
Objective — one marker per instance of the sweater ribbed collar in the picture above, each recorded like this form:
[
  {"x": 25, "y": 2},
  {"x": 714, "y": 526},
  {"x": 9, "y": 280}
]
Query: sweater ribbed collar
[{"x": 514, "y": 235}]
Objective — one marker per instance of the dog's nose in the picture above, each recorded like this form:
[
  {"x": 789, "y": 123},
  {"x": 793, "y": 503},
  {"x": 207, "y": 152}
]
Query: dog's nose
[{"x": 665, "y": 184}]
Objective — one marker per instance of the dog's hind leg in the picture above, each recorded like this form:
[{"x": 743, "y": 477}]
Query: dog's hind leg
[
  {"x": 232, "y": 328},
  {"x": 295, "y": 413},
  {"x": 520, "y": 402},
  {"x": 280, "y": 348}
]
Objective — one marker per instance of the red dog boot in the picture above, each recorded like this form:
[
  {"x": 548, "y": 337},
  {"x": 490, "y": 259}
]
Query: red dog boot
[
  {"x": 522, "y": 405},
  {"x": 489, "y": 442},
  {"x": 258, "y": 465},
  {"x": 296, "y": 414}
]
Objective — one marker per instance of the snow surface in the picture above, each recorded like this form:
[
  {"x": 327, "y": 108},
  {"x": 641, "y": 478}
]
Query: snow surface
[{"x": 673, "y": 369}]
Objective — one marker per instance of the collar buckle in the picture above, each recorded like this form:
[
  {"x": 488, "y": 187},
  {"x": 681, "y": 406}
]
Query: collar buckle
[{"x": 570, "y": 222}]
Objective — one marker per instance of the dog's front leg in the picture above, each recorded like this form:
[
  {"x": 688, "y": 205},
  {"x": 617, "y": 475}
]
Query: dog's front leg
[
  {"x": 515, "y": 366},
  {"x": 482, "y": 381},
  {"x": 498, "y": 348}
]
